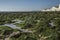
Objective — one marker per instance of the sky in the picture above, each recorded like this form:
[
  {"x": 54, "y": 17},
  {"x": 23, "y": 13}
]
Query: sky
[{"x": 27, "y": 5}]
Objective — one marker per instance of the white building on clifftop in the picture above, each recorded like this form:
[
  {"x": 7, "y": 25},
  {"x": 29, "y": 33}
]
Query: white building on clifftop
[{"x": 55, "y": 8}]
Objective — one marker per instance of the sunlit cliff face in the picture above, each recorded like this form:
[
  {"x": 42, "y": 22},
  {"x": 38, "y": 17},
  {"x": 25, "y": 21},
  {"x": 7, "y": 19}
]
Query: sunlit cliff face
[{"x": 59, "y": 6}]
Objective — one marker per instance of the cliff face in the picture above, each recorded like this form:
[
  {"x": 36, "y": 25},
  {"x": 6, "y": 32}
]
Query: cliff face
[{"x": 59, "y": 6}]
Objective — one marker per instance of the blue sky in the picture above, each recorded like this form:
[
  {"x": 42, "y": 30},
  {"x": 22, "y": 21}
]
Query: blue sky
[{"x": 26, "y": 5}]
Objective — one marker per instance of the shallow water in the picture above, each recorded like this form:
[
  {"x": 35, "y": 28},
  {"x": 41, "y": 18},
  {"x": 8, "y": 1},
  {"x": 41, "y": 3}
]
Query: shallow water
[{"x": 12, "y": 25}]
